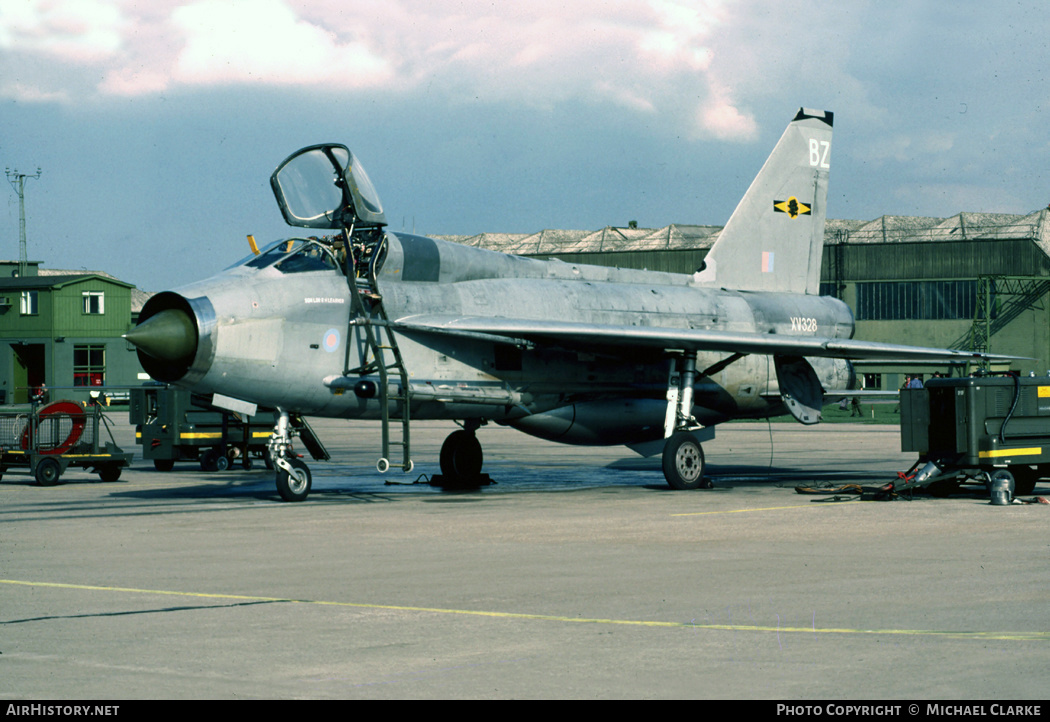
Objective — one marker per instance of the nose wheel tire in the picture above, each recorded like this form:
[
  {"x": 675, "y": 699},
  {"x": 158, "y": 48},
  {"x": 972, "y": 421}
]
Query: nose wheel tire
[
  {"x": 294, "y": 486},
  {"x": 683, "y": 463}
]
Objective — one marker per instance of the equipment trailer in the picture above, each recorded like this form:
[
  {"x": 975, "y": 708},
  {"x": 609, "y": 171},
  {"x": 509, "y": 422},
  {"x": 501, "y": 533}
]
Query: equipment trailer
[{"x": 49, "y": 439}]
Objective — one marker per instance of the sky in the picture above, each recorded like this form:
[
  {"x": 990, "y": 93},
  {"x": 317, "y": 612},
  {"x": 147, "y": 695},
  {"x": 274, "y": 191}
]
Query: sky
[{"x": 156, "y": 124}]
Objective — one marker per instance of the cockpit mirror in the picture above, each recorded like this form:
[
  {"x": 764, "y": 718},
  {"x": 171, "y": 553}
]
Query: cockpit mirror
[{"x": 324, "y": 186}]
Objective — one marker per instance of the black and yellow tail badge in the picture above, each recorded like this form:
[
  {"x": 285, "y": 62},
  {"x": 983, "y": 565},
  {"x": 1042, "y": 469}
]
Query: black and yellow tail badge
[{"x": 792, "y": 207}]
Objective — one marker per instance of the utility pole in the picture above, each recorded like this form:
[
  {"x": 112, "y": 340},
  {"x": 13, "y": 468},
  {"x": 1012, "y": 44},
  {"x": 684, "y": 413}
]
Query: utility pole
[{"x": 17, "y": 181}]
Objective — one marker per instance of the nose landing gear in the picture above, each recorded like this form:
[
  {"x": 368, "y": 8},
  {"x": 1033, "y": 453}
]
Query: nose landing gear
[
  {"x": 293, "y": 478},
  {"x": 293, "y": 475}
]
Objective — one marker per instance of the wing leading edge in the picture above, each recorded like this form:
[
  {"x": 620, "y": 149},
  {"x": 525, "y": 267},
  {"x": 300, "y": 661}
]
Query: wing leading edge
[{"x": 592, "y": 335}]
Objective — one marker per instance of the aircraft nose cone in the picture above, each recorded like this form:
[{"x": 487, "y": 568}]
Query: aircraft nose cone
[{"x": 169, "y": 335}]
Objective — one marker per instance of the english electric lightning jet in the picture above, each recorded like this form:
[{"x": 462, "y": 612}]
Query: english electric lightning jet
[{"x": 366, "y": 323}]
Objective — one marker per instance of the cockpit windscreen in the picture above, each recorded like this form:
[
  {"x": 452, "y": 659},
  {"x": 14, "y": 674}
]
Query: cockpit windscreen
[{"x": 295, "y": 255}]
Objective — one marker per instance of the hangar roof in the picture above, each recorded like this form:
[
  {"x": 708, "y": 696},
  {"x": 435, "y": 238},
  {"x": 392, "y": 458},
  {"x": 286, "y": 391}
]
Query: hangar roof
[
  {"x": 962, "y": 226},
  {"x": 885, "y": 229}
]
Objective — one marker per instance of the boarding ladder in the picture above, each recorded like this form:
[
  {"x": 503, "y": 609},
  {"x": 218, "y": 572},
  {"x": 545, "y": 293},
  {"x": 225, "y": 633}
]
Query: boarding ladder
[{"x": 368, "y": 312}]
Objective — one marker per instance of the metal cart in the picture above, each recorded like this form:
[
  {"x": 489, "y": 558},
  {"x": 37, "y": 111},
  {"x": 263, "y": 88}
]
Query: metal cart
[{"x": 48, "y": 439}]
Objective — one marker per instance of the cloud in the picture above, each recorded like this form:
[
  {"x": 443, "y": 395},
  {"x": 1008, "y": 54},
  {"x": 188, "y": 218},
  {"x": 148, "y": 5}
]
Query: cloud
[
  {"x": 71, "y": 31},
  {"x": 683, "y": 31},
  {"x": 917, "y": 146},
  {"x": 34, "y": 94},
  {"x": 944, "y": 199},
  {"x": 263, "y": 41},
  {"x": 131, "y": 81},
  {"x": 651, "y": 58},
  {"x": 722, "y": 119}
]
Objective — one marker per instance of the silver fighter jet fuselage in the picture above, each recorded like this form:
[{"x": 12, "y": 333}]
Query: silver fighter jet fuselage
[
  {"x": 278, "y": 336},
  {"x": 372, "y": 324}
]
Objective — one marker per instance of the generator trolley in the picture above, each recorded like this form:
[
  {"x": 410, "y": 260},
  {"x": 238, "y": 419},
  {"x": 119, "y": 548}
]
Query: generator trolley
[
  {"x": 980, "y": 429},
  {"x": 172, "y": 424}
]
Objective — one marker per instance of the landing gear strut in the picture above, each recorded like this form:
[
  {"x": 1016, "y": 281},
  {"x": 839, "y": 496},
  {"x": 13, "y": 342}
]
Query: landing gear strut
[
  {"x": 683, "y": 458},
  {"x": 293, "y": 475}
]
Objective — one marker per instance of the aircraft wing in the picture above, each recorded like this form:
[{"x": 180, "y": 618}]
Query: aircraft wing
[{"x": 609, "y": 336}]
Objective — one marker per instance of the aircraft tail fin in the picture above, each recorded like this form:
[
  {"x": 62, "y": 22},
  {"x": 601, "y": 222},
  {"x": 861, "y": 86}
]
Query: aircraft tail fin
[{"x": 775, "y": 238}]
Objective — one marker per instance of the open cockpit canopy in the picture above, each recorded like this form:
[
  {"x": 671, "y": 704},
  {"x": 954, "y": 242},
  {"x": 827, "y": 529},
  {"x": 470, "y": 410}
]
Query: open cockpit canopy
[{"x": 324, "y": 186}]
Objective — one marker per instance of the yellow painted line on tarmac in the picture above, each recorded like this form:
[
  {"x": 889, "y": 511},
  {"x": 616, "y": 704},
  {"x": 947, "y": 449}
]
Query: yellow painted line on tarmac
[
  {"x": 1012, "y": 636},
  {"x": 764, "y": 508}
]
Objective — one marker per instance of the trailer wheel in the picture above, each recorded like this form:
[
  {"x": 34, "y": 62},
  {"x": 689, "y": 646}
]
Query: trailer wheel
[
  {"x": 207, "y": 462},
  {"x": 47, "y": 472},
  {"x": 109, "y": 472},
  {"x": 164, "y": 464},
  {"x": 1025, "y": 478},
  {"x": 213, "y": 460}
]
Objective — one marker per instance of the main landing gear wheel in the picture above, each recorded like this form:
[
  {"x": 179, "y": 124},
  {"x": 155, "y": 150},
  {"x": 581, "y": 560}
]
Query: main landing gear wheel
[
  {"x": 294, "y": 486},
  {"x": 683, "y": 463},
  {"x": 461, "y": 460}
]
